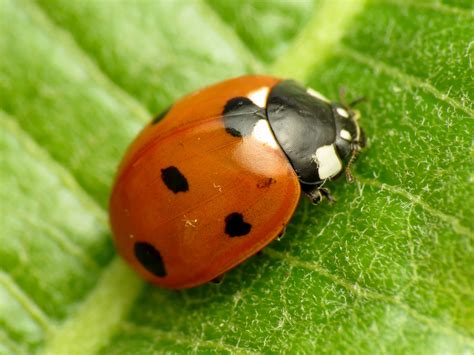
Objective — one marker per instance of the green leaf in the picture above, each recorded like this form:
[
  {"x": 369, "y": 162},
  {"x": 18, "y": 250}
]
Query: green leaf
[{"x": 386, "y": 269}]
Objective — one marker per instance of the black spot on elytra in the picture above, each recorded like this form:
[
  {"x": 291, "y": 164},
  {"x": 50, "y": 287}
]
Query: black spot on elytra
[
  {"x": 161, "y": 115},
  {"x": 240, "y": 116},
  {"x": 150, "y": 258},
  {"x": 235, "y": 226},
  {"x": 174, "y": 180},
  {"x": 266, "y": 183}
]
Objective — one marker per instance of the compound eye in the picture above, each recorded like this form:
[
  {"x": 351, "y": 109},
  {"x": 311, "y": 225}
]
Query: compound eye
[{"x": 346, "y": 135}]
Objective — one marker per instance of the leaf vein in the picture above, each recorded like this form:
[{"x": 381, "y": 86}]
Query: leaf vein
[
  {"x": 63, "y": 174},
  {"x": 437, "y": 6},
  {"x": 97, "y": 317},
  {"x": 368, "y": 294},
  {"x": 402, "y": 76},
  {"x": 457, "y": 226},
  {"x": 232, "y": 36},
  {"x": 26, "y": 302},
  {"x": 11, "y": 345},
  {"x": 59, "y": 237},
  {"x": 67, "y": 39},
  {"x": 108, "y": 273},
  {"x": 182, "y": 338}
]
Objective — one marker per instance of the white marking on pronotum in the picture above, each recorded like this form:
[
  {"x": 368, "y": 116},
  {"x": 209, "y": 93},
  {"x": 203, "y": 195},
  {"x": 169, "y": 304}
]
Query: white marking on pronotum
[
  {"x": 328, "y": 161},
  {"x": 317, "y": 95},
  {"x": 263, "y": 133},
  {"x": 345, "y": 135},
  {"x": 259, "y": 96},
  {"x": 342, "y": 112}
]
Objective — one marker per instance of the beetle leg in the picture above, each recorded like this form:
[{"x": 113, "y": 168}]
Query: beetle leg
[
  {"x": 281, "y": 234},
  {"x": 326, "y": 193},
  {"x": 318, "y": 193},
  {"x": 217, "y": 280}
]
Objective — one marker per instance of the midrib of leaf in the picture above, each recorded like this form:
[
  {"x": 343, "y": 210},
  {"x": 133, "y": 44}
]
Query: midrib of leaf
[
  {"x": 100, "y": 314},
  {"x": 97, "y": 318},
  {"x": 317, "y": 40}
]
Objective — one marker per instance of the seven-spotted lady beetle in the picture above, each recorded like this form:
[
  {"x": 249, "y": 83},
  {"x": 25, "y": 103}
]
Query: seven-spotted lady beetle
[{"x": 217, "y": 176}]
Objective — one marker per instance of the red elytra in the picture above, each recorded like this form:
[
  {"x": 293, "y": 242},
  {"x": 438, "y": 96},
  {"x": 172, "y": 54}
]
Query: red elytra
[
  {"x": 215, "y": 178},
  {"x": 193, "y": 198}
]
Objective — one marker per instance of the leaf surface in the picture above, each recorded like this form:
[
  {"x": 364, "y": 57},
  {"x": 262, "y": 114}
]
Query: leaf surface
[{"x": 387, "y": 269}]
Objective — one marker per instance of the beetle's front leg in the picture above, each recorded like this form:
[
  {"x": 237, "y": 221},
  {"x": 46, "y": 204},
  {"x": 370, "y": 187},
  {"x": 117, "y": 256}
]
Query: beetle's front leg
[{"x": 317, "y": 193}]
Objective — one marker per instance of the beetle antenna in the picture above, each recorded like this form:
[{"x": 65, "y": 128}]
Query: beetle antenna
[
  {"x": 342, "y": 95},
  {"x": 350, "y": 105},
  {"x": 357, "y": 101},
  {"x": 349, "y": 176}
]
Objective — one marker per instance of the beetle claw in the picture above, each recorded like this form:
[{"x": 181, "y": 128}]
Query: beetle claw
[
  {"x": 217, "y": 280},
  {"x": 316, "y": 195}
]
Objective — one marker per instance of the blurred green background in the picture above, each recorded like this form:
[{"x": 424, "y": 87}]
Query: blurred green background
[{"x": 387, "y": 269}]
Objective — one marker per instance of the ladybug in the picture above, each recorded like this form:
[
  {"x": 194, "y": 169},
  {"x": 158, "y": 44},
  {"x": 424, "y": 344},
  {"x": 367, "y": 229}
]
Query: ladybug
[{"x": 218, "y": 175}]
